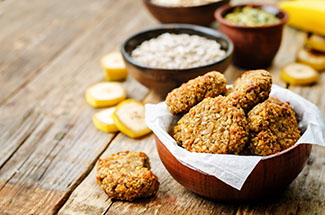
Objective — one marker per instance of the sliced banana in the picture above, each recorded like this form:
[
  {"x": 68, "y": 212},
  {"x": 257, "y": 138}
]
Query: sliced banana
[
  {"x": 316, "y": 42},
  {"x": 103, "y": 120},
  {"x": 317, "y": 61},
  {"x": 299, "y": 74},
  {"x": 114, "y": 66},
  {"x": 105, "y": 94},
  {"x": 129, "y": 118}
]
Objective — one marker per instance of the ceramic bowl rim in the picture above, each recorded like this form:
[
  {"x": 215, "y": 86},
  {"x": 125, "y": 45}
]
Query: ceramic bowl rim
[
  {"x": 194, "y": 28},
  {"x": 183, "y": 7},
  {"x": 219, "y": 15}
]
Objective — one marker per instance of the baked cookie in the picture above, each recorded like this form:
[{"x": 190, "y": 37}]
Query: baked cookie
[
  {"x": 214, "y": 125},
  {"x": 273, "y": 127},
  {"x": 251, "y": 88},
  {"x": 127, "y": 176},
  {"x": 180, "y": 100}
]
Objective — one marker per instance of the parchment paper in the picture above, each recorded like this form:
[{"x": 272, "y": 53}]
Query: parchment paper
[{"x": 234, "y": 169}]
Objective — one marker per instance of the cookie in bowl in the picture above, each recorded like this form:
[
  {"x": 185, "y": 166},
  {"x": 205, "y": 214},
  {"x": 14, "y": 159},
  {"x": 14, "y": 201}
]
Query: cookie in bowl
[
  {"x": 273, "y": 127},
  {"x": 244, "y": 122},
  {"x": 221, "y": 152},
  {"x": 215, "y": 125},
  {"x": 251, "y": 88},
  {"x": 181, "y": 99}
]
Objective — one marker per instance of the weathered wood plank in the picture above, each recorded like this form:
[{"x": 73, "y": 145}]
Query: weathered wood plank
[
  {"x": 59, "y": 153},
  {"x": 33, "y": 95},
  {"x": 88, "y": 198},
  {"x": 314, "y": 93},
  {"x": 34, "y": 32},
  {"x": 172, "y": 198},
  {"x": 36, "y": 201},
  {"x": 37, "y": 96},
  {"x": 16, "y": 132}
]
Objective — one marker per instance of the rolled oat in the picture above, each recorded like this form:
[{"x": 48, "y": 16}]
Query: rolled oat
[{"x": 178, "y": 51}]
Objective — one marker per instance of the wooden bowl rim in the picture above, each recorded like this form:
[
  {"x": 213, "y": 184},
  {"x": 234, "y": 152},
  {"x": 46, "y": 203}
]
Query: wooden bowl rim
[
  {"x": 158, "y": 141},
  {"x": 263, "y": 157},
  {"x": 149, "y": 2},
  {"x": 281, "y": 152},
  {"x": 194, "y": 28},
  {"x": 220, "y": 12}
]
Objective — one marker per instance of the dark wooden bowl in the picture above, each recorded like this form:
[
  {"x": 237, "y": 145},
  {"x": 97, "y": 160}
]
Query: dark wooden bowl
[
  {"x": 161, "y": 81},
  {"x": 199, "y": 15},
  {"x": 255, "y": 47},
  {"x": 271, "y": 175}
]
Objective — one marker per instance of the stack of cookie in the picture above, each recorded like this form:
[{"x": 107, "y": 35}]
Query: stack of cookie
[{"x": 242, "y": 120}]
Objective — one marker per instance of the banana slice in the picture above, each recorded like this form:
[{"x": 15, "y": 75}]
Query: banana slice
[
  {"x": 129, "y": 118},
  {"x": 317, "y": 61},
  {"x": 105, "y": 94},
  {"x": 299, "y": 74},
  {"x": 103, "y": 120},
  {"x": 316, "y": 42},
  {"x": 114, "y": 66}
]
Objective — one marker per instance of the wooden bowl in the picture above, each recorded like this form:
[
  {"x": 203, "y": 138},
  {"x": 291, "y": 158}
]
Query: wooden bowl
[
  {"x": 271, "y": 175},
  {"x": 255, "y": 47},
  {"x": 161, "y": 81},
  {"x": 199, "y": 15}
]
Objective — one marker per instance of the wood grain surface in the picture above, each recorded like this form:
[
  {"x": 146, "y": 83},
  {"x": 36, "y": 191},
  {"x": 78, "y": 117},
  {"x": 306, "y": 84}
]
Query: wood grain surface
[{"x": 49, "y": 55}]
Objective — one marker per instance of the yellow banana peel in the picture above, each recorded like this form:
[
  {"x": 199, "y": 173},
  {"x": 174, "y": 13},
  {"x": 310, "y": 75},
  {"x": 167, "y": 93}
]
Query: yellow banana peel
[{"x": 308, "y": 15}]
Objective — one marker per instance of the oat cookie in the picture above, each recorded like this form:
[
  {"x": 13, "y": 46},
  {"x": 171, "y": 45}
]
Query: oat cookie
[
  {"x": 214, "y": 125},
  {"x": 127, "y": 176},
  {"x": 273, "y": 127},
  {"x": 252, "y": 88},
  {"x": 181, "y": 99}
]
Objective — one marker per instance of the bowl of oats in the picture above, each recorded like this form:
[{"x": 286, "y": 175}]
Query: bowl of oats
[
  {"x": 164, "y": 57},
  {"x": 199, "y": 12}
]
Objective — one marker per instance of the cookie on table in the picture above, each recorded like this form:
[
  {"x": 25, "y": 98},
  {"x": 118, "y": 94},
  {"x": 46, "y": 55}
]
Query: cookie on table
[
  {"x": 180, "y": 100},
  {"x": 273, "y": 127},
  {"x": 215, "y": 125},
  {"x": 127, "y": 176},
  {"x": 251, "y": 88}
]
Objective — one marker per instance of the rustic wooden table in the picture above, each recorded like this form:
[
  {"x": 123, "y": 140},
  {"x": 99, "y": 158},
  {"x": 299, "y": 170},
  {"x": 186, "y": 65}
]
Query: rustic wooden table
[{"x": 49, "y": 55}]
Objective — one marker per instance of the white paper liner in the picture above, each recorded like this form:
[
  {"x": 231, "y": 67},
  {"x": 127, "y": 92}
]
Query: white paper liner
[{"x": 234, "y": 169}]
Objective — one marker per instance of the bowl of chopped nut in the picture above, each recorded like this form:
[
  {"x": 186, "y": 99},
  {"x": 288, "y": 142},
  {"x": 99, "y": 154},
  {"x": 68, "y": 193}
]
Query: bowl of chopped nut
[
  {"x": 164, "y": 57},
  {"x": 199, "y": 12}
]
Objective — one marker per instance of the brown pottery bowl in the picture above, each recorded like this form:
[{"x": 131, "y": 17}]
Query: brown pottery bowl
[
  {"x": 161, "y": 81},
  {"x": 271, "y": 175},
  {"x": 199, "y": 15},
  {"x": 255, "y": 47}
]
